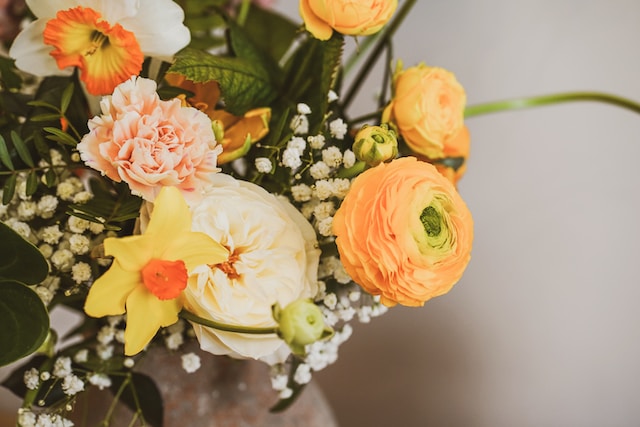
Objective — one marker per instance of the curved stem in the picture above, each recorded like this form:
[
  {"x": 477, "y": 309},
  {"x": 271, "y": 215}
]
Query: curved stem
[
  {"x": 187, "y": 315},
  {"x": 373, "y": 57},
  {"x": 535, "y": 101}
]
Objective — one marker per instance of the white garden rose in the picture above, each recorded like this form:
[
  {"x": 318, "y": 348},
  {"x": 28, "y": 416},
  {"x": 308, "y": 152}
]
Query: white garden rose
[{"x": 273, "y": 258}]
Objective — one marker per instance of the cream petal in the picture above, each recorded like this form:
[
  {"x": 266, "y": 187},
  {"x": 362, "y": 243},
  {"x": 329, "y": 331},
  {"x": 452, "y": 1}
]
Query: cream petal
[
  {"x": 109, "y": 292},
  {"x": 145, "y": 315},
  {"x": 161, "y": 33},
  {"x": 32, "y": 55}
]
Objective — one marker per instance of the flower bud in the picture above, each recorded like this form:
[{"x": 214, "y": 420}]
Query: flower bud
[
  {"x": 300, "y": 323},
  {"x": 375, "y": 144}
]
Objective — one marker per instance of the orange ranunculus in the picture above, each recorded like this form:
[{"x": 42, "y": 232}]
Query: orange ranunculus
[
  {"x": 427, "y": 108},
  {"x": 353, "y": 18},
  {"x": 457, "y": 149},
  {"x": 404, "y": 232},
  {"x": 237, "y": 133}
]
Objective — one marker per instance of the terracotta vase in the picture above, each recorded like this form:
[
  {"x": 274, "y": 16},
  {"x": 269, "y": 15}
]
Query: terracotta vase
[{"x": 222, "y": 393}]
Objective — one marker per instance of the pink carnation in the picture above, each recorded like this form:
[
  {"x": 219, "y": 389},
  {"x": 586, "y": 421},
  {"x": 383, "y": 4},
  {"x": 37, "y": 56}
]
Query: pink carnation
[{"x": 150, "y": 143}]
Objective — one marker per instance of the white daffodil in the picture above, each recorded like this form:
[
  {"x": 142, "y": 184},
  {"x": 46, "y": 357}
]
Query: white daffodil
[{"x": 106, "y": 39}]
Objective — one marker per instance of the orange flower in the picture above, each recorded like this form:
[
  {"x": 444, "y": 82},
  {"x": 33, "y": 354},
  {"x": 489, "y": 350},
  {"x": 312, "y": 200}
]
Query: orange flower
[
  {"x": 234, "y": 133},
  {"x": 456, "y": 149},
  {"x": 353, "y": 18},
  {"x": 427, "y": 108},
  {"x": 404, "y": 232}
]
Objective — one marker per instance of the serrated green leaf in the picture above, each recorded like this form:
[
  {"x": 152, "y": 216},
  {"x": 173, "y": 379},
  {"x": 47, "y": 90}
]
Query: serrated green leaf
[
  {"x": 47, "y": 117},
  {"x": 244, "y": 47},
  {"x": 24, "y": 320},
  {"x": 243, "y": 84},
  {"x": 21, "y": 148},
  {"x": 66, "y": 98},
  {"x": 19, "y": 259},
  {"x": 5, "y": 158},
  {"x": 60, "y": 136},
  {"x": 32, "y": 183},
  {"x": 9, "y": 189}
]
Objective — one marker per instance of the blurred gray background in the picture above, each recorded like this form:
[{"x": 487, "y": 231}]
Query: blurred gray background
[{"x": 543, "y": 328}]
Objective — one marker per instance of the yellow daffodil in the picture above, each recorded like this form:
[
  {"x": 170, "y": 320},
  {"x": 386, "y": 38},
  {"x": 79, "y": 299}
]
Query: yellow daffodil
[
  {"x": 234, "y": 133},
  {"x": 150, "y": 271}
]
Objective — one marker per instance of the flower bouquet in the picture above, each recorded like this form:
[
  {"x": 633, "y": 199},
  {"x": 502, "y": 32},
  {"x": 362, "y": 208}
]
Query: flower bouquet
[{"x": 191, "y": 170}]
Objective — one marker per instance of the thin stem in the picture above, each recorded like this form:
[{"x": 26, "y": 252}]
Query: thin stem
[
  {"x": 225, "y": 327},
  {"x": 244, "y": 11},
  {"x": 375, "y": 54},
  {"x": 536, "y": 101}
]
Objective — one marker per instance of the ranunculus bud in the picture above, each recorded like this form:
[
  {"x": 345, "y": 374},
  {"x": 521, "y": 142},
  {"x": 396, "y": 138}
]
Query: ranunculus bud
[
  {"x": 375, "y": 144},
  {"x": 300, "y": 323}
]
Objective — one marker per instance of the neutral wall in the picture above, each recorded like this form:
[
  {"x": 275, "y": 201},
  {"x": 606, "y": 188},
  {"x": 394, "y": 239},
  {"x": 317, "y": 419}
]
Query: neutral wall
[{"x": 542, "y": 330}]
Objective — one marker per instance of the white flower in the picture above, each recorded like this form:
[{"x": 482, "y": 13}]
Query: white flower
[
  {"x": 325, "y": 226},
  {"x": 316, "y": 142},
  {"x": 303, "y": 108},
  {"x": 338, "y": 128},
  {"x": 78, "y": 225},
  {"x": 62, "y": 367},
  {"x": 319, "y": 170},
  {"x": 109, "y": 38},
  {"x": 81, "y": 356},
  {"x": 332, "y": 96},
  {"x": 332, "y": 156},
  {"x": 51, "y": 234},
  {"x": 330, "y": 300},
  {"x": 190, "y": 362},
  {"x": 79, "y": 244},
  {"x": 26, "y": 418},
  {"x": 303, "y": 374},
  {"x": 299, "y": 124},
  {"x": 174, "y": 341},
  {"x": 348, "y": 159},
  {"x": 47, "y": 206},
  {"x": 263, "y": 165},
  {"x": 298, "y": 144},
  {"x": 101, "y": 381},
  {"x": 31, "y": 379},
  {"x": 273, "y": 259},
  {"x": 81, "y": 272},
  {"x": 323, "y": 189},
  {"x": 27, "y": 210},
  {"x": 291, "y": 158},
  {"x": 62, "y": 259},
  {"x": 301, "y": 192},
  {"x": 72, "y": 385}
]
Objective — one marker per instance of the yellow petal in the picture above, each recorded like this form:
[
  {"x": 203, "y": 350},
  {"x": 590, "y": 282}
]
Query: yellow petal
[
  {"x": 318, "y": 28},
  {"x": 170, "y": 217},
  {"x": 195, "y": 248},
  {"x": 145, "y": 315},
  {"x": 108, "y": 294},
  {"x": 133, "y": 252}
]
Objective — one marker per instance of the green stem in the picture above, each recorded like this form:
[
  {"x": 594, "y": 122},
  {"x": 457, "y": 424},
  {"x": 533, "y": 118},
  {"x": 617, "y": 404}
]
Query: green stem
[
  {"x": 244, "y": 11},
  {"x": 373, "y": 57},
  {"x": 225, "y": 327},
  {"x": 536, "y": 101}
]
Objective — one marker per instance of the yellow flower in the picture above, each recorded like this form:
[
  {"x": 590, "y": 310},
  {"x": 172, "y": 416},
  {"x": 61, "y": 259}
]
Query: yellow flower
[
  {"x": 353, "y": 18},
  {"x": 234, "y": 133},
  {"x": 150, "y": 271}
]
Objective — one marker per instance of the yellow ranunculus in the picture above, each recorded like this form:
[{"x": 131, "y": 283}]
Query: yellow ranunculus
[
  {"x": 353, "y": 18},
  {"x": 150, "y": 271},
  {"x": 427, "y": 108},
  {"x": 234, "y": 133}
]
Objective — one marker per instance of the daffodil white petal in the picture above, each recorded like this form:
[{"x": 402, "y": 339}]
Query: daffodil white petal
[{"x": 32, "y": 55}]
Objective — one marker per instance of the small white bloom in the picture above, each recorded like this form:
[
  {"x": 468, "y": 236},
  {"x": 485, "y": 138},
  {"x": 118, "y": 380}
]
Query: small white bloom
[
  {"x": 27, "y": 210},
  {"x": 341, "y": 187},
  {"x": 322, "y": 189},
  {"x": 72, "y": 385},
  {"x": 45, "y": 375},
  {"x": 291, "y": 158},
  {"x": 62, "y": 367},
  {"x": 263, "y": 165},
  {"x": 174, "y": 341},
  {"x": 101, "y": 381},
  {"x": 96, "y": 228},
  {"x": 303, "y": 109},
  {"x": 348, "y": 158},
  {"x": 128, "y": 362},
  {"x": 354, "y": 296},
  {"x": 303, "y": 374},
  {"x": 316, "y": 142},
  {"x": 319, "y": 170},
  {"x": 338, "y": 128},
  {"x": 285, "y": 393},
  {"x": 62, "y": 259},
  {"x": 31, "y": 379},
  {"x": 325, "y": 227},
  {"x": 330, "y": 300},
  {"x": 105, "y": 335},
  {"x": 332, "y": 156},
  {"x": 279, "y": 382},
  {"x": 323, "y": 210},
  {"x": 79, "y": 244},
  {"x": 82, "y": 197},
  {"x": 105, "y": 352},
  {"x": 51, "y": 234},
  {"x": 299, "y": 124},
  {"x": 298, "y": 144},
  {"x": 332, "y": 96},
  {"x": 301, "y": 192},
  {"x": 81, "y": 272},
  {"x": 47, "y": 206},
  {"x": 190, "y": 362},
  {"x": 81, "y": 356},
  {"x": 45, "y": 294},
  {"x": 22, "y": 228},
  {"x": 78, "y": 225},
  {"x": 26, "y": 418}
]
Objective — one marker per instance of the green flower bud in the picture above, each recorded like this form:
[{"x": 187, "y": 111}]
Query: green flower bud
[
  {"x": 375, "y": 144},
  {"x": 301, "y": 323}
]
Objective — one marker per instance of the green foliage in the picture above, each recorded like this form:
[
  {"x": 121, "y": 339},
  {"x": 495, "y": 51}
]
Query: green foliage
[
  {"x": 270, "y": 32},
  {"x": 140, "y": 393},
  {"x": 19, "y": 259}
]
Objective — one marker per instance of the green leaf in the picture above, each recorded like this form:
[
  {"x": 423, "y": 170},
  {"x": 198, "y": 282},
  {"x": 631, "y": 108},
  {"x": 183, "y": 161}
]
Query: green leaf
[
  {"x": 141, "y": 394},
  {"x": 21, "y": 148},
  {"x": 9, "y": 189},
  {"x": 60, "y": 136},
  {"x": 43, "y": 104},
  {"x": 42, "y": 147},
  {"x": 66, "y": 98},
  {"x": 47, "y": 117},
  {"x": 19, "y": 259},
  {"x": 32, "y": 183},
  {"x": 24, "y": 320},
  {"x": 243, "y": 84},
  {"x": 108, "y": 206},
  {"x": 5, "y": 158},
  {"x": 10, "y": 78},
  {"x": 312, "y": 72},
  {"x": 270, "y": 31}
]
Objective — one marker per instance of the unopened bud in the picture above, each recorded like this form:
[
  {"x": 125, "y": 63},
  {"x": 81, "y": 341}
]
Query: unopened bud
[
  {"x": 375, "y": 144},
  {"x": 301, "y": 323}
]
